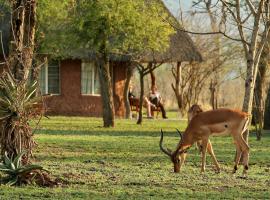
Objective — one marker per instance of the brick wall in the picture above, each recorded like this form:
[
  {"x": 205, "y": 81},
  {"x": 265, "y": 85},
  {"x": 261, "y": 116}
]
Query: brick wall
[{"x": 72, "y": 102}]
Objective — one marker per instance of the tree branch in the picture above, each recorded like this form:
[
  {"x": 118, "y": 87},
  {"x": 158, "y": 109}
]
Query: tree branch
[
  {"x": 213, "y": 33},
  {"x": 251, "y": 7},
  {"x": 237, "y": 19}
]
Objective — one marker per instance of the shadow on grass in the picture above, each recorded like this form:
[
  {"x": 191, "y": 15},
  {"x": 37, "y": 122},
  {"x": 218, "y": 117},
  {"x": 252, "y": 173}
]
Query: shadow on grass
[
  {"x": 107, "y": 133},
  {"x": 119, "y": 133}
]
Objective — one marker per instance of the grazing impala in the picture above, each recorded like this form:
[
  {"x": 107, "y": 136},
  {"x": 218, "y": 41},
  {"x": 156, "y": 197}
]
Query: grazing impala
[{"x": 214, "y": 122}]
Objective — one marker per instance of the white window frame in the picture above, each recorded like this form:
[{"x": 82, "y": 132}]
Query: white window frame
[
  {"x": 46, "y": 79},
  {"x": 92, "y": 79},
  {"x": 46, "y": 65}
]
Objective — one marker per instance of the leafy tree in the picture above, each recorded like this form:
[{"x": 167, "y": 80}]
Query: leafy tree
[
  {"x": 53, "y": 30},
  {"x": 111, "y": 27}
]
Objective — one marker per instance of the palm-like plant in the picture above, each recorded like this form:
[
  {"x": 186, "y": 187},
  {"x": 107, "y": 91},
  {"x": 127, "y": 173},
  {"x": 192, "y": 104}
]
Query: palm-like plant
[
  {"x": 16, "y": 172},
  {"x": 18, "y": 104}
]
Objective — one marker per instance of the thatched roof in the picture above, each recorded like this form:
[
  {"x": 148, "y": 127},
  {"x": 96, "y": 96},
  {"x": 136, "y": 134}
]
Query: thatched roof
[
  {"x": 4, "y": 29},
  {"x": 181, "y": 46},
  {"x": 181, "y": 49},
  {"x": 86, "y": 54}
]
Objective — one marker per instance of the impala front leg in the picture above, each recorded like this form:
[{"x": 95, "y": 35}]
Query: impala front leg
[
  {"x": 211, "y": 152},
  {"x": 204, "y": 146},
  {"x": 183, "y": 158}
]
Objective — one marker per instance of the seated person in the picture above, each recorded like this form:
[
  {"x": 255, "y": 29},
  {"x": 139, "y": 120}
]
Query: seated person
[
  {"x": 146, "y": 102},
  {"x": 155, "y": 99}
]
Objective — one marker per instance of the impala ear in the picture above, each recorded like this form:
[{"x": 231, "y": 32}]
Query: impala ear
[{"x": 180, "y": 134}]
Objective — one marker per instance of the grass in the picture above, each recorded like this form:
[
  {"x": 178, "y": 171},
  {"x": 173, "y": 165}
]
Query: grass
[{"x": 125, "y": 163}]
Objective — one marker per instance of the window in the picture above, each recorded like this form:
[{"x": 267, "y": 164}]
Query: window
[
  {"x": 89, "y": 79},
  {"x": 49, "y": 78}
]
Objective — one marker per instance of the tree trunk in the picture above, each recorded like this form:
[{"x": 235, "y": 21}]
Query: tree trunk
[
  {"x": 22, "y": 48},
  {"x": 266, "y": 124},
  {"x": 258, "y": 105},
  {"x": 176, "y": 88},
  {"x": 19, "y": 65},
  {"x": 212, "y": 94},
  {"x": 249, "y": 90},
  {"x": 141, "y": 97},
  {"x": 103, "y": 65},
  {"x": 153, "y": 77},
  {"x": 129, "y": 74}
]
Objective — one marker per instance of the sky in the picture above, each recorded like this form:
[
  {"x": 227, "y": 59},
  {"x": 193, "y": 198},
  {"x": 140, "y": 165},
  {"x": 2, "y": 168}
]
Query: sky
[{"x": 173, "y": 5}]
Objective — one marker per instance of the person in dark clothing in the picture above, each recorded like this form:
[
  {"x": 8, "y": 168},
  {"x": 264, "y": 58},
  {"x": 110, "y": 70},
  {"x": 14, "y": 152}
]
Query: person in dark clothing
[
  {"x": 155, "y": 99},
  {"x": 130, "y": 94}
]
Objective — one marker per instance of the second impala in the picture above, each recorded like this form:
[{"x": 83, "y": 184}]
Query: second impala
[{"x": 204, "y": 124}]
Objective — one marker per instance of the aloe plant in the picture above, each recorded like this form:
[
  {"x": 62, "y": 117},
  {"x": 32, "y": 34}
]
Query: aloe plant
[
  {"x": 16, "y": 172},
  {"x": 17, "y": 106}
]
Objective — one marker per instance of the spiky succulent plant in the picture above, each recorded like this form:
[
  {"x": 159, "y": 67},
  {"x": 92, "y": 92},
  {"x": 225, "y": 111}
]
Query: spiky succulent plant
[
  {"x": 16, "y": 173},
  {"x": 18, "y": 105}
]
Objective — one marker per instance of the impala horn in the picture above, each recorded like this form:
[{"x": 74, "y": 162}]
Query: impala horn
[
  {"x": 166, "y": 151},
  {"x": 180, "y": 134}
]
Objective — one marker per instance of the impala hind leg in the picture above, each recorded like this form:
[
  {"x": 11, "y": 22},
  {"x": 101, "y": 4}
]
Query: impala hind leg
[
  {"x": 237, "y": 158},
  {"x": 241, "y": 149},
  {"x": 245, "y": 148},
  {"x": 211, "y": 152},
  {"x": 245, "y": 152}
]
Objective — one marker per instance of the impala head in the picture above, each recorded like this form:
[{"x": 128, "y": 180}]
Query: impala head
[
  {"x": 194, "y": 110},
  {"x": 174, "y": 155}
]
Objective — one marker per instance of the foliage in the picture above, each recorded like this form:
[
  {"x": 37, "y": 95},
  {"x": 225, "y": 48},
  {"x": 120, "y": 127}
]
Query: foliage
[
  {"x": 123, "y": 26},
  {"x": 18, "y": 104},
  {"x": 125, "y": 163},
  {"x": 16, "y": 172},
  {"x": 127, "y": 25},
  {"x": 53, "y": 27}
]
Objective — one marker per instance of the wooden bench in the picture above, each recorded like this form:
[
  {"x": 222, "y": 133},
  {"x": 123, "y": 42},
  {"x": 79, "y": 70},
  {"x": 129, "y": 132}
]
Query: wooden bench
[{"x": 135, "y": 106}]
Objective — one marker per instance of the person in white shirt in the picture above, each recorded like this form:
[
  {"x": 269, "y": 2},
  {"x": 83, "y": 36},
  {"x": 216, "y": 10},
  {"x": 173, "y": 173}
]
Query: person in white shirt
[
  {"x": 156, "y": 99},
  {"x": 146, "y": 102}
]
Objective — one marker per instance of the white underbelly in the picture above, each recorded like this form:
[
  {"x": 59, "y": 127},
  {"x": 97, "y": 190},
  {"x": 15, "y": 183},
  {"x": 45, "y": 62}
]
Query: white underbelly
[{"x": 226, "y": 132}]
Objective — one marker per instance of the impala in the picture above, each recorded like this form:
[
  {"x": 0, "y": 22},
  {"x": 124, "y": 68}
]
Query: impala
[
  {"x": 215, "y": 122},
  {"x": 194, "y": 110}
]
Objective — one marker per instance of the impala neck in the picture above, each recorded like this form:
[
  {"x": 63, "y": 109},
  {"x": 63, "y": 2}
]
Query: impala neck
[{"x": 185, "y": 143}]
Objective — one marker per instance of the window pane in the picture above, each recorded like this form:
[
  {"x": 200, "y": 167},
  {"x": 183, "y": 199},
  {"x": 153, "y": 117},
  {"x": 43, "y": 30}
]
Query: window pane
[
  {"x": 42, "y": 79},
  {"x": 89, "y": 79},
  {"x": 86, "y": 78},
  {"x": 53, "y": 77},
  {"x": 96, "y": 82}
]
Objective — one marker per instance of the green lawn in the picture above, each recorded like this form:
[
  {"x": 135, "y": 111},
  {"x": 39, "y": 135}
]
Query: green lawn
[{"x": 125, "y": 163}]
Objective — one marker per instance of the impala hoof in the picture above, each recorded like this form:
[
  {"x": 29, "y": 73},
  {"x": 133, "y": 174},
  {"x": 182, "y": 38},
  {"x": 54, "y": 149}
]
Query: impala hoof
[
  {"x": 202, "y": 171},
  {"x": 234, "y": 169}
]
